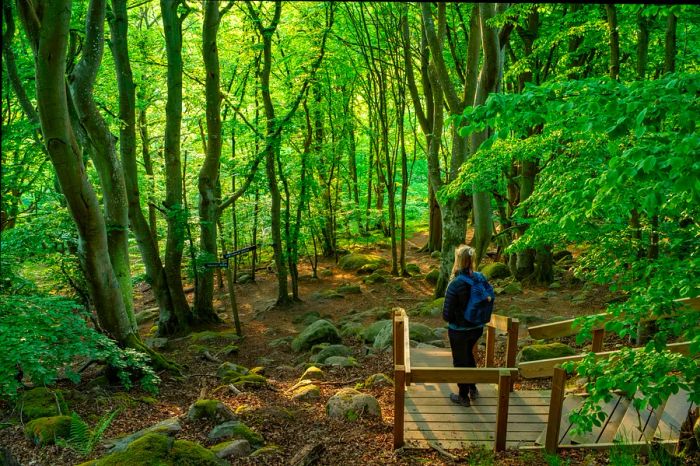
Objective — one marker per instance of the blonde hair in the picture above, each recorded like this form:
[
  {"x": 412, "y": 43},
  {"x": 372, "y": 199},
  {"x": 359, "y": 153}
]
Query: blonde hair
[{"x": 463, "y": 259}]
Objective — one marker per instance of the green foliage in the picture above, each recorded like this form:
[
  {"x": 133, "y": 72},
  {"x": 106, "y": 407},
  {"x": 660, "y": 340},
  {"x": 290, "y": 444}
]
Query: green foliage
[
  {"x": 82, "y": 440},
  {"x": 45, "y": 336}
]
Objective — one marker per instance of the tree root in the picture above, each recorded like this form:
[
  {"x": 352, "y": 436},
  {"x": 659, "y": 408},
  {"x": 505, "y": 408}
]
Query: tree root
[{"x": 159, "y": 361}]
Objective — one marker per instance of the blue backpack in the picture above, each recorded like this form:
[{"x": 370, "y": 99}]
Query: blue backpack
[{"x": 480, "y": 305}]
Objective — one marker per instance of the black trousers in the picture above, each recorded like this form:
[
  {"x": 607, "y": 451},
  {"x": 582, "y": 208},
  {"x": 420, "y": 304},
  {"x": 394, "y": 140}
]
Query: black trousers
[{"x": 462, "y": 342}]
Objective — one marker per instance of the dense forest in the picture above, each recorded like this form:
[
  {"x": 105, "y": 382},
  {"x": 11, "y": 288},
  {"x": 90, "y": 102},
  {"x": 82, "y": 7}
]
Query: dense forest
[{"x": 163, "y": 161}]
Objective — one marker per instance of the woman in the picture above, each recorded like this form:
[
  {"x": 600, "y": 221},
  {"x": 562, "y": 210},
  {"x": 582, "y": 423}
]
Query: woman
[{"x": 463, "y": 334}]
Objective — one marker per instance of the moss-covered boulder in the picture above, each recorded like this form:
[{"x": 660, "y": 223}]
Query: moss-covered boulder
[
  {"x": 280, "y": 342},
  {"x": 328, "y": 294},
  {"x": 227, "y": 368},
  {"x": 307, "y": 318},
  {"x": 313, "y": 373},
  {"x": 146, "y": 315},
  {"x": 374, "y": 278},
  {"x": 166, "y": 427},
  {"x": 157, "y": 449},
  {"x": 357, "y": 261},
  {"x": 340, "y": 361},
  {"x": 351, "y": 329},
  {"x": 318, "y": 332},
  {"x": 236, "y": 430},
  {"x": 45, "y": 430},
  {"x": 420, "y": 332},
  {"x": 432, "y": 276},
  {"x": 371, "y": 332},
  {"x": 245, "y": 381},
  {"x": 349, "y": 289},
  {"x": 495, "y": 270},
  {"x": 435, "y": 255},
  {"x": 413, "y": 269},
  {"x": 351, "y": 404},
  {"x": 331, "y": 350},
  {"x": 41, "y": 402},
  {"x": 429, "y": 309},
  {"x": 544, "y": 351},
  {"x": 513, "y": 288},
  {"x": 213, "y": 410},
  {"x": 305, "y": 391},
  {"x": 227, "y": 335},
  {"x": 384, "y": 339},
  {"x": 267, "y": 450},
  {"x": 232, "y": 449}
]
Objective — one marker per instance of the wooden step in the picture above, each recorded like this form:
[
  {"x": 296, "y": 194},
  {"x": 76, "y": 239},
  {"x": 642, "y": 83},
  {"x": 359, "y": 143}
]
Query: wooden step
[
  {"x": 608, "y": 407},
  {"x": 633, "y": 423},
  {"x": 570, "y": 403},
  {"x": 673, "y": 416}
]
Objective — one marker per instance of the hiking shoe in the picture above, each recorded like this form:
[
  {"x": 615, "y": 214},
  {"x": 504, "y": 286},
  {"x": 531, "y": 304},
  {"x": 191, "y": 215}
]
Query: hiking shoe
[
  {"x": 459, "y": 400},
  {"x": 474, "y": 394}
]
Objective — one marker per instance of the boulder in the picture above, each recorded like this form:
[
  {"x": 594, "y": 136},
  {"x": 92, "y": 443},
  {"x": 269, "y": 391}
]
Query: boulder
[
  {"x": 156, "y": 343},
  {"x": 374, "y": 279},
  {"x": 357, "y": 261},
  {"x": 351, "y": 329},
  {"x": 305, "y": 391},
  {"x": 430, "y": 309},
  {"x": 384, "y": 338},
  {"x": 232, "y": 449},
  {"x": 307, "y": 318},
  {"x": 496, "y": 270},
  {"x": 349, "y": 289},
  {"x": 167, "y": 427},
  {"x": 158, "y": 449},
  {"x": 279, "y": 342},
  {"x": 544, "y": 351},
  {"x": 351, "y": 404},
  {"x": 146, "y": 315},
  {"x": 41, "y": 402},
  {"x": 227, "y": 368},
  {"x": 328, "y": 294},
  {"x": 440, "y": 332},
  {"x": 378, "y": 380},
  {"x": 45, "y": 430},
  {"x": 331, "y": 350},
  {"x": 319, "y": 331},
  {"x": 313, "y": 373},
  {"x": 371, "y": 332},
  {"x": 214, "y": 410},
  {"x": 420, "y": 332},
  {"x": 432, "y": 276},
  {"x": 209, "y": 336},
  {"x": 513, "y": 288},
  {"x": 236, "y": 430},
  {"x": 413, "y": 269},
  {"x": 341, "y": 361}
]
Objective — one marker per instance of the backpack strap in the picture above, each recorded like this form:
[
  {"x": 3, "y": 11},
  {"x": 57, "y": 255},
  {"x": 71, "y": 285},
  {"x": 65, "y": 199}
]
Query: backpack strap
[{"x": 465, "y": 278}]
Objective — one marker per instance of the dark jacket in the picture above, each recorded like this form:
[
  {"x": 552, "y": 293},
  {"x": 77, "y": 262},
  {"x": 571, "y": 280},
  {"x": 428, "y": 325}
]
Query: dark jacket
[{"x": 456, "y": 299}]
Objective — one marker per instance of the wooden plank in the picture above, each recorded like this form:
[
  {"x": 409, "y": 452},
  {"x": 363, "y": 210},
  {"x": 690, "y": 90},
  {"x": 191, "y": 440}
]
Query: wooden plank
[
  {"x": 490, "y": 346},
  {"x": 555, "y": 410},
  {"x": 499, "y": 322},
  {"x": 456, "y": 374},
  {"x": 608, "y": 407},
  {"x": 673, "y": 416},
  {"x": 633, "y": 423},
  {"x": 467, "y": 436},
  {"x": 476, "y": 409},
  {"x": 456, "y": 445},
  {"x": 614, "y": 420},
  {"x": 431, "y": 357},
  {"x": 502, "y": 414},
  {"x": 469, "y": 426},
  {"x": 598, "y": 337},
  {"x": 485, "y": 391},
  {"x": 406, "y": 347},
  {"x": 471, "y": 417},
  {"x": 571, "y": 402},
  {"x": 399, "y": 405},
  {"x": 442, "y": 399},
  {"x": 545, "y": 367}
]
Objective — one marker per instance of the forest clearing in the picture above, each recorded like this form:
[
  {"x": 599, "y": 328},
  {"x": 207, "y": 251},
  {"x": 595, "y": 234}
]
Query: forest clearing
[{"x": 238, "y": 232}]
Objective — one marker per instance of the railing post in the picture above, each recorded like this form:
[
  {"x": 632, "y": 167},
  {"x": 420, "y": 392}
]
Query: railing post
[
  {"x": 399, "y": 324},
  {"x": 512, "y": 345},
  {"x": 556, "y": 401},
  {"x": 399, "y": 403},
  {"x": 598, "y": 335},
  {"x": 490, "y": 345},
  {"x": 504, "y": 381}
]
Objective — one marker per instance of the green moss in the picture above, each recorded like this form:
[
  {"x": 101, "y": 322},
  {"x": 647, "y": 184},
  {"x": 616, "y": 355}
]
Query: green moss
[
  {"x": 266, "y": 450},
  {"x": 45, "y": 430},
  {"x": 42, "y": 402},
  {"x": 375, "y": 278},
  {"x": 236, "y": 430},
  {"x": 248, "y": 380},
  {"x": 204, "y": 409},
  {"x": 495, "y": 270},
  {"x": 229, "y": 349},
  {"x": 210, "y": 335},
  {"x": 149, "y": 450},
  {"x": 356, "y": 261},
  {"x": 432, "y": 276},
  {"x": 413, "y": 269},
  {"x": 349, "y": 289},
  {"x": 547, "y": 351},
  {"x": 328, "y": 294},
  {"x": 188, "y": 453}
]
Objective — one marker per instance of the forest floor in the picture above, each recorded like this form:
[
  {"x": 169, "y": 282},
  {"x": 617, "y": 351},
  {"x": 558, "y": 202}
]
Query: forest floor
[{"x": 289, "y": 424}]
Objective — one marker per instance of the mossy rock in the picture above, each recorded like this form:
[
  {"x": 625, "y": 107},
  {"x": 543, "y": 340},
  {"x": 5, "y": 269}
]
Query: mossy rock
[
  {"x": 351, "y": 329},
  {"x": 306, "y": 392},
  {"x": 279, "y": 342},
  {"x": 436, "y": 255},
  {"x": 544, "y": 351},
  {"x": 326, "y": 273},
  {"x": 513, "y": 288},
  {"x": 374, "y": 279},
  {"x": 331, "y": 350},
  {"x": 229, "y": 350},
  {"x": 159, "y": 450},
  {"x": 432, "y": 276},
  {"x": 244, "y": 381},
  {"x": 307, "y": 318},
  {"x": 168, "y": 426},
  {"x": 430, "y": 309},
  {"x": 378, "y": 380},
  {"x": 384, "y": 339},
  {"x": 210, "y": 335},
  {"x": 244, "y": 278},
  {"x": 214, "y": 410},
  {"x": 146, "y": 315},
  {"x": 45, "y": 430},
  {"x": 236, "y": 430},
  {"x": 229, "y": 369},
  {"x": 371, "y": 332},
  {"x": 496, "y": 270},
  {"x": 313, "y": 373},
  {"x": 319, "y": 331},
  {"x": 413, "y": 269},
  {"x": 197, "y": 349},
  {"x": 328, "y": 294},
  {"x": 231, "y": 449},
  {"x": 349, "y": 289},
  {"x": 420, "y": 332},
  {"x": 357, "y": 261},
  {"x": 41, "y": 402},
  {"x": 267, "y": 450},
  {"x": 351, "y": 404},
  {"x": 341, "y": 361}
]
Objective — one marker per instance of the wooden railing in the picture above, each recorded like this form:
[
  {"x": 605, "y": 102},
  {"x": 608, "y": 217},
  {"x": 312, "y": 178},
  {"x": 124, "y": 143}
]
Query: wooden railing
[{"x": 405, "y": 373}]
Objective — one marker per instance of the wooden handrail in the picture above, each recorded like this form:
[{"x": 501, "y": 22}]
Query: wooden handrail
[{"x": 458, "y": 374}]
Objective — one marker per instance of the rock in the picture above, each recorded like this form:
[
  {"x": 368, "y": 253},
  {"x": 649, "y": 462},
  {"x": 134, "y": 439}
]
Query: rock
[
  {"x": 41, "y": 402},
  {"x": 228, "y": 350},
  {"x": 156, "y": 343},
  {"x": 328, "y": 294},
  {"x": 248, "y": 380},
  {"x": 436, "y": 343},
  {"x": 425, "y": 345},
  {"x": 236, "y": 430},
  {"x": 440, "y": 332},
  {"x": 432, "y": 276},
  {"x": 367, "y": 269},
  {"x": 371, "y": 332},
  {"x": 313, "y": 373},
  {"x": 225, "y": 369},
  {"x": 341, "y": 361},
  {"x": 496, "y": 270},
  {"x": 319, "y": 331},
  {"x": 378, "y": 380},
  {"x": 420, "y": 332},
  {"x": 331, "y": 350},
  {"x": 436, "y": 255},
  {"x": 430, "y": 309},
  {"x": 146, "y": 315},
  {"x": 513, "y": 288},
  {"x": 544, "y": 351},
  {"x": 167, "y": 427},
  {"x": 351, "y": 329},
  {"x": 244, "y": 278},
  {"x": 349, "y": 289},
  {"x": 45, "y": 430},
  {"x": 374, "y": 279},
  {"x": 214, "y": 410},
  {"x": 284, "y": 341},
  {"x": 350, "y": 404},
  {"x": 209, "y": 335},
  {"x": 158, "y": 449},
  {"x": 232, "y": 449},
  {"x": 413, "y": 269},
  {"x": 267, "y": 450},
  {"x": 384, "y": 338},
  {"x": 307, "y": 318},
  {"x": 357, "y": 261},
  {"x": 305, "y": 391}
]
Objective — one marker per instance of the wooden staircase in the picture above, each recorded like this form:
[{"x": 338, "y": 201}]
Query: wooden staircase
[{"x": 624, "y": 423}]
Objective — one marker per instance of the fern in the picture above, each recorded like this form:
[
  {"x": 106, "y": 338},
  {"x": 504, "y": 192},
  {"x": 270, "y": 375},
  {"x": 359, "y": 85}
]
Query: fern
[{"x": 82, "y": 440}]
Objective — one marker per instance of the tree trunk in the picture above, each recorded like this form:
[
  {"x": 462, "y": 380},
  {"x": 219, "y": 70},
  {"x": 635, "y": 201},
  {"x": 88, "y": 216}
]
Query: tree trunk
[
  {"x": 148, "y": 166},
  {"x": 611, "y": 10},
  {"x": 209, "y": 173},
  {"x": 642, "y": 45},
  {"x": 670, "y": 44}
]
